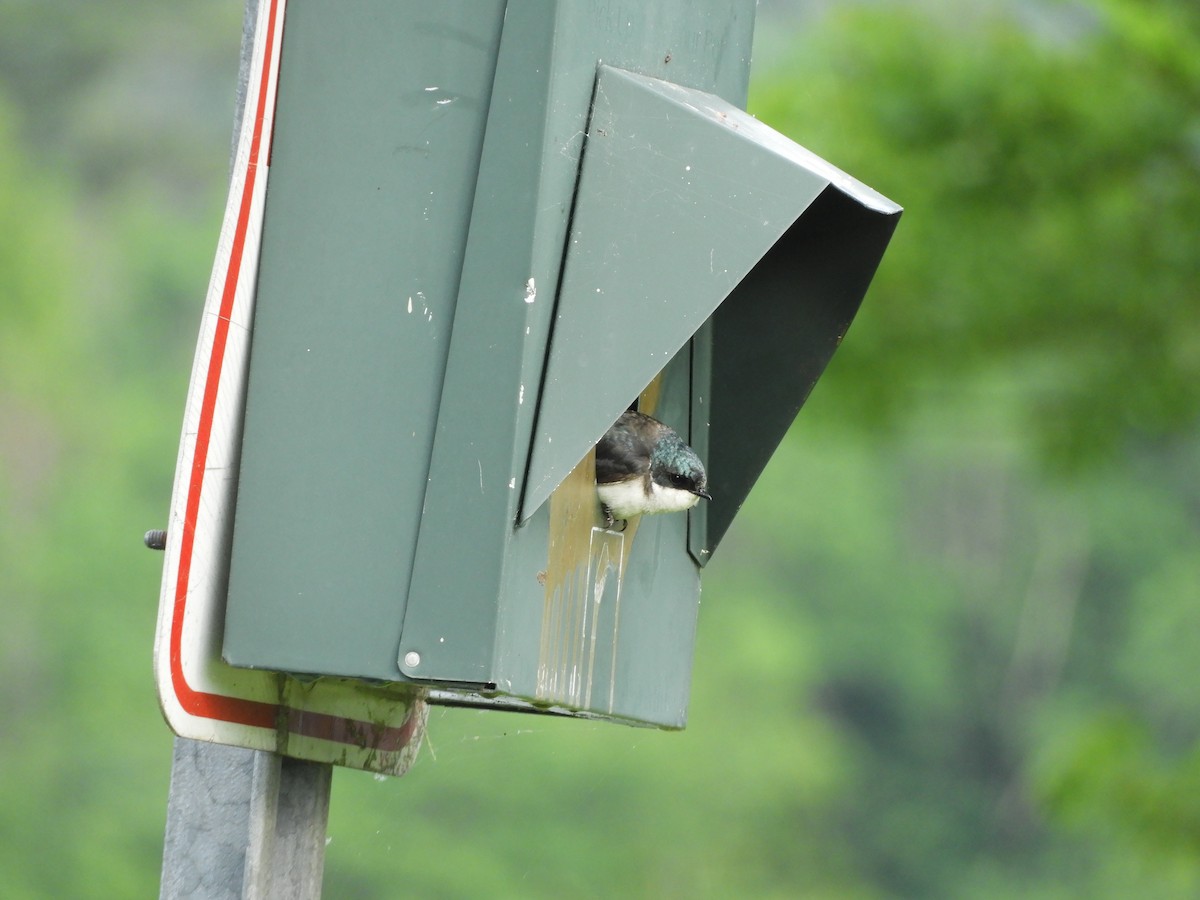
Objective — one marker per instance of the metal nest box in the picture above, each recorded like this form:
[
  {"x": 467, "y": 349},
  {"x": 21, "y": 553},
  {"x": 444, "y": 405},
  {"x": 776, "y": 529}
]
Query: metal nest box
[{"x": 489, "y": 228}]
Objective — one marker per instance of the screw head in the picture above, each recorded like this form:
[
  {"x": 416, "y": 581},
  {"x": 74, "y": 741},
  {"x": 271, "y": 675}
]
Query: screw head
[{"x": 412, "y": 659}]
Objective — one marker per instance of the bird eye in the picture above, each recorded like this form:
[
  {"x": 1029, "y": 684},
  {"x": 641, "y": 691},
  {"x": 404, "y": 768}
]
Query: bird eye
[{"x": 680, "y": 481}]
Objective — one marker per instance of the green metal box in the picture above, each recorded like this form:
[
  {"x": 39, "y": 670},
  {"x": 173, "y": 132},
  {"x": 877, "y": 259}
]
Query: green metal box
[{"x": 489, "y": 228}]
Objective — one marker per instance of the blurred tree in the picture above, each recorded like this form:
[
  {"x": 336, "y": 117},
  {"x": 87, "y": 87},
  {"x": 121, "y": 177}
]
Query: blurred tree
[
  {"x": 1050, "y": 155},
  {"x": 914, "y": 640},
  {"x": 1039, "y": 304},
  {"x": 1116, "y": 788}
]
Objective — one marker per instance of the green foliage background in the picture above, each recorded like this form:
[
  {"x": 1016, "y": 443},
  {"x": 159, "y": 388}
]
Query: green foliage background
[{"x": 946, "y": 651}]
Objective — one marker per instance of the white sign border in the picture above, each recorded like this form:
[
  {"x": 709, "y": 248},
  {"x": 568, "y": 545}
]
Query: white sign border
[{"x": 327, "y": 720}]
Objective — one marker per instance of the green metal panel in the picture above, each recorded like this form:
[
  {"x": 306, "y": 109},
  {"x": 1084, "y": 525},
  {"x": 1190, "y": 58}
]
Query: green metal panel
[
  {"x": 673, "y": 173},
  {"x": 378, "y": 133},
  {"x": 450, "y": 312},
  {"x": 545, "y": 77},
  {"x": 700, "y": 430},
  {"x": 774, "y": 335},
  {"x": 670, "y": 173}
]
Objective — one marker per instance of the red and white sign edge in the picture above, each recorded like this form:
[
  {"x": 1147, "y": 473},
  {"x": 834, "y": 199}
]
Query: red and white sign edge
[{"x": 327, "y": 720}]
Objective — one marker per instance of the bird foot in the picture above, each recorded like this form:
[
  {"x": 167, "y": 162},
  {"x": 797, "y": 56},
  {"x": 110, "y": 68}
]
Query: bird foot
[{"x": 609, "y": 521}]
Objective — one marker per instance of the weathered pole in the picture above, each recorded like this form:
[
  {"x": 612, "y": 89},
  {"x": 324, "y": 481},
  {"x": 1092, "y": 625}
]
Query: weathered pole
[{"x": 244, "y": 823}]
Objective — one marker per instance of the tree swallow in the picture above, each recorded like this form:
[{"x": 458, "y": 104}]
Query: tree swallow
[{"x": 644, "y": 467}]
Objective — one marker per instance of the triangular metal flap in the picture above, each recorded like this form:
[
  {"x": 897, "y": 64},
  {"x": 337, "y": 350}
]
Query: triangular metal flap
[
  {"x": 680, "y": 195},
  {"x": 776, "y": 333}
]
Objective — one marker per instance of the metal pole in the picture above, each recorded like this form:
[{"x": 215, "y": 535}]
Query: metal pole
[{"x": 244, "y": 823}]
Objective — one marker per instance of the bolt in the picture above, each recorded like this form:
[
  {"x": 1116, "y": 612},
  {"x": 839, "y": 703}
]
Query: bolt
[
  {"x": 156, "y": 539},
  {"x": 412, "y": 659}
]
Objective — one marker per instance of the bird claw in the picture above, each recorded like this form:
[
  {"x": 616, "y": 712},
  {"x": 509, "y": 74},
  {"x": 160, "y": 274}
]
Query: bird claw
[{"x": 609, "y": 521}]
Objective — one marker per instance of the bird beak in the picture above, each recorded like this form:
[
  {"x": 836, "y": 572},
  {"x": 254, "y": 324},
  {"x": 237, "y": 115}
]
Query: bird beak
[{"x": 705, "y": 494}]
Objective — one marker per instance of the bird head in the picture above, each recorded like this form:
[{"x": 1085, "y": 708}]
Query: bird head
[{"x": 674, "y": 464}]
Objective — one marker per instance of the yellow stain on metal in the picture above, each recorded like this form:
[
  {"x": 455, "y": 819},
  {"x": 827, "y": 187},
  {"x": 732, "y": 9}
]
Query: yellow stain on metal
[{"x": 585, "y": 571}]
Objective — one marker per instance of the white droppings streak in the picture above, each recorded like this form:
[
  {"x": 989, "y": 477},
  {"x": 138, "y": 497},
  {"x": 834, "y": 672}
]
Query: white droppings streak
[
  {"x": 426, "y": 311},
  {"x": 530, "y": 291}
]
